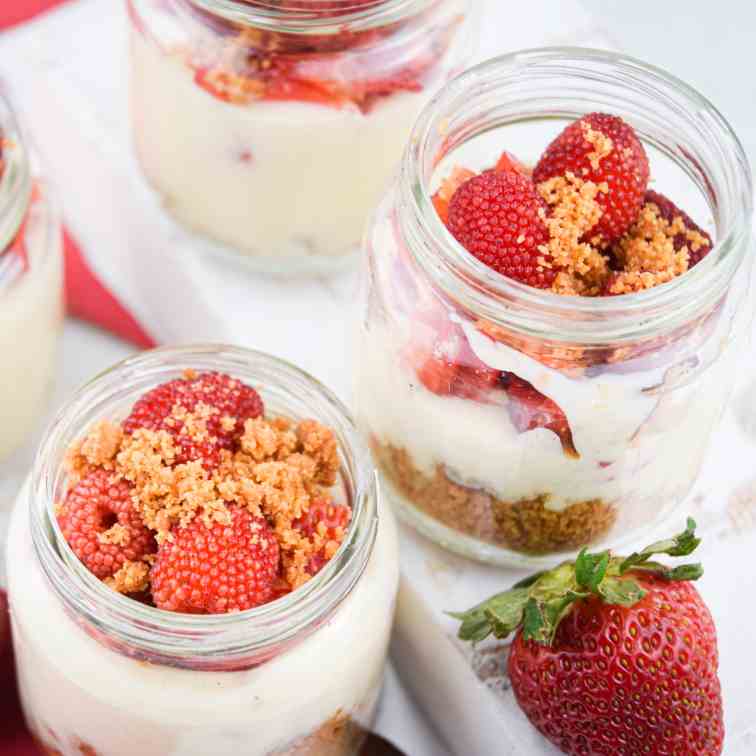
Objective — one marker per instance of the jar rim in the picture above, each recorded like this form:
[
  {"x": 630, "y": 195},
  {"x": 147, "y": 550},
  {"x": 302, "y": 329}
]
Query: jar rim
[
  {"x": 534, "y": 312},
  {"x": 201, "y": 641},
  {"x": 285, "y": 18},
  {"x": 15, "y": 188}
]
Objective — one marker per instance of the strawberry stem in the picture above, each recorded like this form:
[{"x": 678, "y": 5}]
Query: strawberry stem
[{"x": 538, "y": 603}]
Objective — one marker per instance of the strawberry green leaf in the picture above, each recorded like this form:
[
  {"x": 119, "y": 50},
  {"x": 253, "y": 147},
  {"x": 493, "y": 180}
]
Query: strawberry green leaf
[
  {"x": 539, "y": 603},
  {"x": 500, "y": 616},
  {"x": 681, "y": 545},
  {"x": 685, "y": 572},
  {"x": 590, "y": 569},
  {"x": 534, "y": 623},
  {"x": 541, "y": 621},
  {"x": 619, "y": 591}
]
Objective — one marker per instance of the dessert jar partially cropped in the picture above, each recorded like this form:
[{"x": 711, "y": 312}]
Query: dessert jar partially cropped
[
  {"x": 203, "y": 530},
  {"x": 31, "y": 286},
  {"x": 273, "y": 127},
  {"x": 548, "y": 342}
]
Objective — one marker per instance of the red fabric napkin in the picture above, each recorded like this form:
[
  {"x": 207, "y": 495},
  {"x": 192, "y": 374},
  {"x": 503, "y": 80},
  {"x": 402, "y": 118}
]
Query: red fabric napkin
[
  {"x": 14, "y": 12},
  {"x": 87, "y": 298}
]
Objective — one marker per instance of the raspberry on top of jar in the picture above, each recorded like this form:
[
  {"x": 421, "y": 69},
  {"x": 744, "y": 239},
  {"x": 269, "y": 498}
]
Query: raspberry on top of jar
[
  {"x": 355, "y": 67},
  {"x": 199, "y": 503},
  {"x": 581, "y": 222}
]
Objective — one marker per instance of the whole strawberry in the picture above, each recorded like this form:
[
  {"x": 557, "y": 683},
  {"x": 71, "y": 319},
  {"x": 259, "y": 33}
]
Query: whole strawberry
[
  {"x": 612, "y": 655},
  {"x": 605, "y": 150},
  {"x": 530, "y": 409}
]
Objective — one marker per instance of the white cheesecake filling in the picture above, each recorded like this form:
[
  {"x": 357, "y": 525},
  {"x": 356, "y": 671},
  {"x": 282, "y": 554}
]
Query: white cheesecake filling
[
  {"x": 268, "y": 178},
  {"x": 79, "y": 690},
  {"x": 638, "y": 451},
  {"x": 31, "y": 314}
]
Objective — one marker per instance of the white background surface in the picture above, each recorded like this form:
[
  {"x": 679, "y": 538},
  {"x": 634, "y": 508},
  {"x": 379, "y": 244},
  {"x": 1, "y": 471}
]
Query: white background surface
[{"x": 708, "y": 44}]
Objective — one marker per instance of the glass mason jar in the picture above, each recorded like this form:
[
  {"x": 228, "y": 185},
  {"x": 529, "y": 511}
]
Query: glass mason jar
[
  {"x": 135, "y": 679},
  {"x": 273, "y": 127},
  {"x": 641, "y": 378},
  {"x": 31, "y": 286}
]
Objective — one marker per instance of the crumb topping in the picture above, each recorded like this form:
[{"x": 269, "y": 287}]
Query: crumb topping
[
  {"x": 133, "y": 577},
  {"x": 602, "y": 144},
  {"x": 597, "y": 230},
  {"x": 647, "y": 255},
  {"x": 117, "y": 534},
  {"x": 573, "y": 211},
  {"x": 279, "y": 470}
]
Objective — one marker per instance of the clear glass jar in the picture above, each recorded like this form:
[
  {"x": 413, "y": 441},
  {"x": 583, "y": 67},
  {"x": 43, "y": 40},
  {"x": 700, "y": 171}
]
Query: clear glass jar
[
  {"x": 31, "y": 286},
  {"x": 642, "y": 378},
  {"x": 135, "y": 679},
  {"x": 273, "y": 127}
]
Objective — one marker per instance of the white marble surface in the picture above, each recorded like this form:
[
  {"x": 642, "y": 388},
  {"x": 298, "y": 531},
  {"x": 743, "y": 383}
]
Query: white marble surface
[{"x": 82, "y": 53}]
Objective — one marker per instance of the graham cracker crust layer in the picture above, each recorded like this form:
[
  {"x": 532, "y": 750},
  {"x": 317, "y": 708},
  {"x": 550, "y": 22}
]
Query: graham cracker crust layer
[
  {"x": 339, "y": 736},
  {"x": 524, "y": 525}
]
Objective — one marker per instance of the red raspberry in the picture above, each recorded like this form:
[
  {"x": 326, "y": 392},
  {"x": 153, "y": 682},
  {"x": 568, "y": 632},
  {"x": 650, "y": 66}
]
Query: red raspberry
[
  {"x": 495, "y": 216},
  {"x": 230, "y": 397},
  {"x": 328, "y": 520},
  {"x": 94, "y": 505},
  {"x": 624, "y": 169},
  {"x": 217, "y": 569},
  {"x": 530, "y": 409},
  {"x": 669, "y": 211}
]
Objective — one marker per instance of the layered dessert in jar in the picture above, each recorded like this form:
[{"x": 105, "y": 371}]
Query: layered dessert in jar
[
  {"x": 203, "y": 531},
  {"x": 31, "y": 287},
  {"x": 273, "y": 127},
  {"x": 553, "y": 309}
]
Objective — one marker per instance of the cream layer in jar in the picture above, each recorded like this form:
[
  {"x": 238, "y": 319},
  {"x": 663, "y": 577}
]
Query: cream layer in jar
[{"x": 298, "y": 702}]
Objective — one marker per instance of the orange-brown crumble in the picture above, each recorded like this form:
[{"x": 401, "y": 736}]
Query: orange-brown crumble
[
  {"x": 281, "y": 468},
  {"x": 133, "y": 577},
  {"x": 574, "y": 211},
  {"x": 602, "y": 144},
  {"x": 647, "y": 254},
  {"x": 645, "y": 257},
  {"x": 528, "y": 525},
  {"x": 339, "y": 736}
]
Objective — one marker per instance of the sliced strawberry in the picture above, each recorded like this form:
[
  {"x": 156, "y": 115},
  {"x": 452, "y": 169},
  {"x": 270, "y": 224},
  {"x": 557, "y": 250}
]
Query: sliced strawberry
[
  {"x": 530, "y": 409},
  {"x": 446, "y": 191},
  {"x": 451, "y": 368},
  {"x": 437, "y": 373},
  {"x": 509, "y": 163}
]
